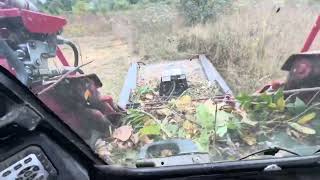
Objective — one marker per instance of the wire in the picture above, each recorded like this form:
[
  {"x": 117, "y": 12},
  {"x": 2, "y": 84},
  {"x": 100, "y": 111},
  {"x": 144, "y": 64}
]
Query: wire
[{"x": 172, "y": 91}]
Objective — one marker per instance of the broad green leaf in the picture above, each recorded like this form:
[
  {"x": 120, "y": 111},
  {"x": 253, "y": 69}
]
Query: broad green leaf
[
  {"x": 203, "y": 141},
  {"x": 205, "y": 117},
  {"x": 243, "y": 98},
  {"x": 150, "y": 130},
  {"x": 222, "y": 131},
  {"x": 172, "y": 129},
  {"x": 223, "y": 118},
  {"x": 181, "y": 133},
  {"x": 307, "y": 118},
  {"x": 297, "y": 107},
  {"x": 300, "y": 106},
  {"x": 234, "y": 124},
  {"x": 302, "y": 129}
]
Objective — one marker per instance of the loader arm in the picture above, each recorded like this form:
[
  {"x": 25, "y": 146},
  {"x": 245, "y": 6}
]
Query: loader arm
[{"x": 312, "y": 36}]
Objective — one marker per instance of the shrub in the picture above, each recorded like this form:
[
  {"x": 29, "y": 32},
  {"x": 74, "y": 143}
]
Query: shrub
[
  {"x": 81, "y": 7},
  {"x": 121, "y": 4},
  {"x": 200, "y": 11}
]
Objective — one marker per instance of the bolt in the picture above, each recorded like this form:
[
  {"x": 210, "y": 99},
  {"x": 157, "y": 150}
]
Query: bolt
[
  {"x": 32, "y": 44},
  {"x": 28, "y": 70},
  {"x": 38, "y": 61}
]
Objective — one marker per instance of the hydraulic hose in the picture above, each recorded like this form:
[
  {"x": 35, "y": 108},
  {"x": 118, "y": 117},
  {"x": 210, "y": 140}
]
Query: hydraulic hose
[{"x": 75, "y": 51}]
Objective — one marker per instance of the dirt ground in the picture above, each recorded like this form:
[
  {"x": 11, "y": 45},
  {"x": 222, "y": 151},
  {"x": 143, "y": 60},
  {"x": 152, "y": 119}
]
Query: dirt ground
[{"x": 111, "y": 59}]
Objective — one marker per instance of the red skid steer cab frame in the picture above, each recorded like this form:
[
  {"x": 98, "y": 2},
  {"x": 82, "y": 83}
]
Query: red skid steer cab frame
[
  {"x": 300, "y": 66},
  {"x": 76, "y": 99}
]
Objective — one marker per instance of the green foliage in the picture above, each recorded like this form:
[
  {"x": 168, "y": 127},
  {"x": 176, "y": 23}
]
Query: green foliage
[
  {"x": 263, "y": 101},
  {"x": 81, "y": 6},
  {"x": 200, "y": 11},
  {"x": 203, "y": 141},
  {"x": 135, "y": 118},
  {"x": 297, "y": 107},
  {"x": 205, "y": 117},
  {"x": 150, "y": 130},
  {"x": 121, "y": 4},
  {"x": 144, "y": 90},
  {"x": 56, "y": 6}
]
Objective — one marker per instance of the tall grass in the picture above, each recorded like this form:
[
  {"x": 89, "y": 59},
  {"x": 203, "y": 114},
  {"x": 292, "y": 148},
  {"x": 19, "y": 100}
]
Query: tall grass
[{"x": 248, "y": 46}]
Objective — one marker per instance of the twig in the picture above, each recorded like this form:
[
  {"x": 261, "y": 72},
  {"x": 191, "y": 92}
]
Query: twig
[
  {"x": 215, "y": 123},
  {"x": 154, "y": 108},
  {"x": 313, "y": 97},
  {"x": 305, "y": 111},
  {"x": 62, "y": 77},
  {"x": 300, "y": 90},
  {"x": 290, "y": 96}
]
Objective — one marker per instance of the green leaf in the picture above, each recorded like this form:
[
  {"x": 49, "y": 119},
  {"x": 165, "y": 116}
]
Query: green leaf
[
  {"x": 181, "y": 133},
  {"x": 222, "y": 131},
  {"x": 172, "y": 129},
  {"x": 234, "y": 124},
  {"x": 205, "y": 117},
  {"x": 244, "y": 100},
  {"x": 150, "y": 130},
  {"x": 203, "y": 141},
  {"x": 265, "y": 98},
  {"x": 144, "y": 90},
  {"x": 297, "y": 107}
]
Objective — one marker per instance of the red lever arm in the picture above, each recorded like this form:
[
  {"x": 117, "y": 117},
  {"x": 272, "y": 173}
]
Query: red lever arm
[{"x": 311, "y": 36}]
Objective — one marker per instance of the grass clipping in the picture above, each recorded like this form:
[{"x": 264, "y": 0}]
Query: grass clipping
[{"x": 227, "y": 128}]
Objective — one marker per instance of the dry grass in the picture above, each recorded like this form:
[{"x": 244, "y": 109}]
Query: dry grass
[
  {"x": 96, "y": 41},
  {"x": 248, "y": 46}
]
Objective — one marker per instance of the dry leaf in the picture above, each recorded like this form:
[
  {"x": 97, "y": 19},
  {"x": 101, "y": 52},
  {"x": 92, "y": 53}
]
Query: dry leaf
[
  {"x": 123, "y": 133},
  {"x": 302, "y": 129},
  {"x": 307, "y": 118},
  {"x": 164, "y": 112},
  {"x": 250, "y": 139},
  {"x": 184, "y": 103},
  {"x": 145, "y": 139},
  {"x": 166, "y": 153}
]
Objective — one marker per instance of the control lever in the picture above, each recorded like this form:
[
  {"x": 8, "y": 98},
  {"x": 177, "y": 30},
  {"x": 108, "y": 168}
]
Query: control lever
[{"x": 9, "y": 54}]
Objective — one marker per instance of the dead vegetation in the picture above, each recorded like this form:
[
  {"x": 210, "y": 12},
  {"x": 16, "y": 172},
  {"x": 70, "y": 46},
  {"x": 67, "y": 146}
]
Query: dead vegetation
[{"x": 248, "y": 46}]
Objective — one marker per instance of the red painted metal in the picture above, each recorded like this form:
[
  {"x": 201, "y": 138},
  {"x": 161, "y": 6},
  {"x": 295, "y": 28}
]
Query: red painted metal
[
  {"x": 61, "y": 57},
  {"x": 36, "y": 22},
  {"x": 311, "y": 36}
]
